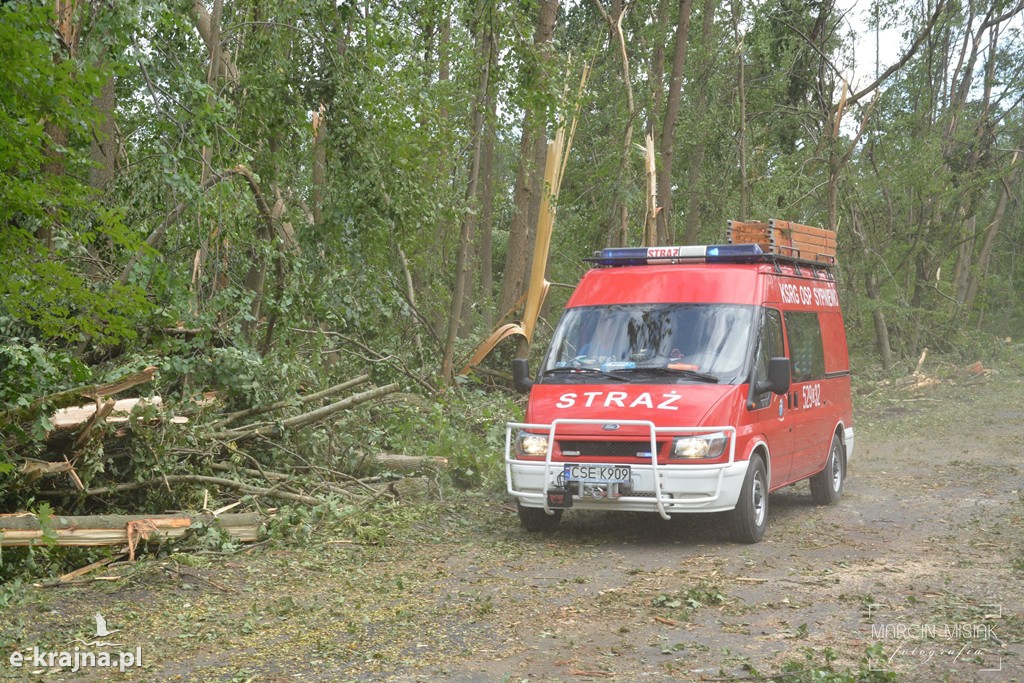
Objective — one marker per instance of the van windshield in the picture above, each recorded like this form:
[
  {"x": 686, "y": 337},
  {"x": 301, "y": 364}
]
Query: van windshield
[{"x": 651, "y": 343}]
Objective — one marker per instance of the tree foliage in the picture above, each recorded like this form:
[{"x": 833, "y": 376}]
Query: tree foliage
[{"x": 295, "y": 180}]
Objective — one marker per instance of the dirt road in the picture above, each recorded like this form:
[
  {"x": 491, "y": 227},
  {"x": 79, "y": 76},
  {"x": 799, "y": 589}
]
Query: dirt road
[{"x": 917, "y": 575}]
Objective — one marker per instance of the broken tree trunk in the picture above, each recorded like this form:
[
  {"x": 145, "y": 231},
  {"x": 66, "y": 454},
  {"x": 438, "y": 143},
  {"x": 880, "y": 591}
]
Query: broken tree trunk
[
  {"x": 71, "y": 397},
  {"x": 112, "y": 411},
  {"x": 24, "y": 529}
]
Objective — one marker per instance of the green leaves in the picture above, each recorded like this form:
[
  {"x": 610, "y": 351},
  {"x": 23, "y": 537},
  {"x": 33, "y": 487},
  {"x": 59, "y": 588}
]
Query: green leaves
[{"x": 45, "y": 515}]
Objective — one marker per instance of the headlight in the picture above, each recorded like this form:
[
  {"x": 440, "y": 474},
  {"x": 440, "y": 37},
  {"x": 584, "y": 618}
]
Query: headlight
[
  {"x": 531, "y": 444},
  {"x": 698, "y": 447}
]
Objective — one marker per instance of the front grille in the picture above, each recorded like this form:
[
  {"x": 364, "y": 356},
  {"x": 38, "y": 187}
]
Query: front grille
[{"x": 607, "y": 449}]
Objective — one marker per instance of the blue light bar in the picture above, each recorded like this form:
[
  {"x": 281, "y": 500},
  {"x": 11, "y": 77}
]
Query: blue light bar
[
  {"x": 626, "y": 256},
  {"x": 642, "y": 256},
  {"x": 734, "y": 253}
]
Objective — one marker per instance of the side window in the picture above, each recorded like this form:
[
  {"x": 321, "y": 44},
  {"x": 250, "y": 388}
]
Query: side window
[
  {"x": 768, "y": 346},
  {"x": 805, "y": 349}
]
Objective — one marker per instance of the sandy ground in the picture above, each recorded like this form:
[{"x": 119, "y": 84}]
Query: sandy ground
[{"x": 917, "y": 575}]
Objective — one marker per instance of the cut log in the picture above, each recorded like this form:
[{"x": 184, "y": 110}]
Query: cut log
[{"x": 24, "y": 529}]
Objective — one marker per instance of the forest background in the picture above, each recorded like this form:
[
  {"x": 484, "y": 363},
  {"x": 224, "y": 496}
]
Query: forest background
[{"x": 263, "y": 198}]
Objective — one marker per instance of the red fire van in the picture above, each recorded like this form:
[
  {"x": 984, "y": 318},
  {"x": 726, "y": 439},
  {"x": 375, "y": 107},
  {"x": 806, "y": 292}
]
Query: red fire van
[{"x": 686, "y": 380}]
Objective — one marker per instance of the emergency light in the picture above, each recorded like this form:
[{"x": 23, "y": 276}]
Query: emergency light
[{"x": 711, "y": 253}]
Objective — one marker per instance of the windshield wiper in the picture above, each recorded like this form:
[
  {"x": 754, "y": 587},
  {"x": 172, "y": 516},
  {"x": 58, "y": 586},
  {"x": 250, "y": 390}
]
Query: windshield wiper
[
  {"x": 585, "y": 371},
  {"x": 689, "y": 374}
]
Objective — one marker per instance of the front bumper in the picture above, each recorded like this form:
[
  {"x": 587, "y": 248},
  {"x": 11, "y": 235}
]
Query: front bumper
[{"x": 663, "y": 488}]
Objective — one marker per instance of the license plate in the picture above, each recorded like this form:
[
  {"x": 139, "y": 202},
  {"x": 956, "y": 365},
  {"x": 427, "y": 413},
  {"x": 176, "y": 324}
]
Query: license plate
[{"x": 598, "y": 474}]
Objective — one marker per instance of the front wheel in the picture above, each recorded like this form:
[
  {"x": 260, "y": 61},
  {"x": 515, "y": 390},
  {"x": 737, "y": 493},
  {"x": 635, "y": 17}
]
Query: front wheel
[
  {"x": 750, "y": 516},
  {"x": 536, "y": 519},
  {"x": 827, "y": 485}
]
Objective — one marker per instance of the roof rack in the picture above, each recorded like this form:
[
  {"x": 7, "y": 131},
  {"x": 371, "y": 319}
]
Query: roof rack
[
  {"x": 699, "y": 253},
  {"x": 786, "y": 238},
  {"x": 749, "y": 242}
]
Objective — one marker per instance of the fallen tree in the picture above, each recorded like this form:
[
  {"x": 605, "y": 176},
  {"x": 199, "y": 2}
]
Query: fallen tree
[{"x": 26, "y": 529}]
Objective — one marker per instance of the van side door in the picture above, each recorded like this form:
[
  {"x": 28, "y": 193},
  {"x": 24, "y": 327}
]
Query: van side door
[
  {"x": 812, "y": 421},
  {"x": 768, "y": 412}
]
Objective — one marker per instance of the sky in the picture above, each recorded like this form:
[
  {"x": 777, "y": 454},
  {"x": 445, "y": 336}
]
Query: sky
[{"x": 883, "y": 48}]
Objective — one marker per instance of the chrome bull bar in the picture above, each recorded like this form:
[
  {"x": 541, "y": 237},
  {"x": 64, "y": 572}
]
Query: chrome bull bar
[{"x": 551, "y": 469}]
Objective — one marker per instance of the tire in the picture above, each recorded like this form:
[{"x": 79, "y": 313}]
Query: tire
[
  {"x": 750, "y": 517},
  {"x": 535, "y": 519},
  {"x": 827, "y": 485}
]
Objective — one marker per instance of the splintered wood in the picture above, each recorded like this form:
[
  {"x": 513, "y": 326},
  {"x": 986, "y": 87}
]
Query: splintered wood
[
  {"x": 25, "y": 529},
  {"x": 786, "y": 238}
]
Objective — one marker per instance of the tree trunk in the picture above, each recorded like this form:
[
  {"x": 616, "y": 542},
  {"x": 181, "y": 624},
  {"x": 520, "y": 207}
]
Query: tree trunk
[
  {"x": 486, "y": 231},
  {"x": 209, "y": 28},
  {"x": 668, "y": 128},
  {"x": 68, "y": 30},
  {"x": 528, "y": 175},
  {"x": 618, "y": 220},
  {"x": 696, "y": 160},
  {"x": 882, "y": 344},
  {"x": 319, "y": 170},
  {"x": 104, "y": 145},
  {"x": 965, "y": 254},
  {"x": 479, "y": 109},
  {"x": 874, "y": 293},
  {"x": 657, "y": 70},
  {"x": 741, "y": 133},
  {"x": 991, "y": 230},
  {"x": 484, "y": 193}
]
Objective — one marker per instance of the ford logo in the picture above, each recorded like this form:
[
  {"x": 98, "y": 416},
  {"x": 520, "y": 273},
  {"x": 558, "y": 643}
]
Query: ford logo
[{"x": 610, "y": 427}]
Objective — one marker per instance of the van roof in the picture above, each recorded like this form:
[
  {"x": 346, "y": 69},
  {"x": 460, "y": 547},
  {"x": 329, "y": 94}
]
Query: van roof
[{"x": 690, "y": 280}]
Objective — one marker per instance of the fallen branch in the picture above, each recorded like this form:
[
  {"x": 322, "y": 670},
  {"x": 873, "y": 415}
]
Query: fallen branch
[
  {"x": 23, "y": 530},
  {"x": 169, "y": 479},
  {"x": 213, "y": 582},
  {"x": 280, "y": 478},
  {"x": 306, "y": 419},
  {"x": 378, "y": 357},
  {"x": 101, "y": 413},
  {"x": 303, "y": 400},
  {"x": 89, "y": 567}
]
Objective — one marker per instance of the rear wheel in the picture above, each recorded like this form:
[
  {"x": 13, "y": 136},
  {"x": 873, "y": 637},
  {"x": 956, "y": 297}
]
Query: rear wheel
[
  {"x": 750, "y": 517},
  {"x": 536, "y": 519},
  {"x": 827, "y": 485}
]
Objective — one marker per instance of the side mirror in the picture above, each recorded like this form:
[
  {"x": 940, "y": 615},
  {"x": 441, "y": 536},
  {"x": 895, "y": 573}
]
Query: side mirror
[
  {"x": 779, "y": 375},
  {"x": 521, "y": 375}
]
